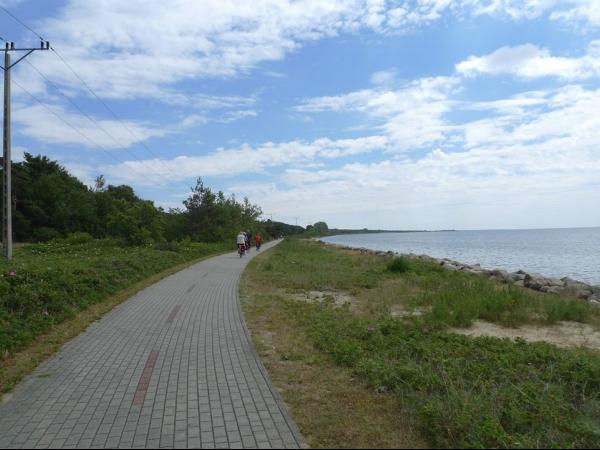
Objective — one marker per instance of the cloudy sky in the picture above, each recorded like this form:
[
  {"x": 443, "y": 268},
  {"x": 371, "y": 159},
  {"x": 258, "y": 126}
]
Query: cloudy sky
[{"x": 403, "y": 114}]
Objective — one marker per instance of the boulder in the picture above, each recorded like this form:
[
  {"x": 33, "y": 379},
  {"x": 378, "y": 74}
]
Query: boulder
[
  {"x": 500, "y": 274},
  {"x": 536, "y": 281},
  {"x": 552, "y": 289},
  {"x": 514, "y": 277}
]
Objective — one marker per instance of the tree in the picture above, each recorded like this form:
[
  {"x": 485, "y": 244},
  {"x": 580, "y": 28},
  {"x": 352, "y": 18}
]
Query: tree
[
  {"x": 99, "y": 183},
  {"x": 321, "y": 228}
]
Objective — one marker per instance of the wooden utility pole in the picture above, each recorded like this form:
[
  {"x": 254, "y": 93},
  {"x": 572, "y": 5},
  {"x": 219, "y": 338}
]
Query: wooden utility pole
[
  {"x": 7, "y": 166},
  {"x": 7, "y": 234}
]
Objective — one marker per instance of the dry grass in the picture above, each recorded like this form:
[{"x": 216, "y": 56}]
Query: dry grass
[
  {"x": 14, "y": 367},
  {"x": 332, "y": 408}
]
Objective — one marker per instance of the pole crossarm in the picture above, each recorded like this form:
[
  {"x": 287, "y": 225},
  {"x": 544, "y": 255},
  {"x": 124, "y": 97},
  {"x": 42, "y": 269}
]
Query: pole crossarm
[{"x": 10, "y": 47}]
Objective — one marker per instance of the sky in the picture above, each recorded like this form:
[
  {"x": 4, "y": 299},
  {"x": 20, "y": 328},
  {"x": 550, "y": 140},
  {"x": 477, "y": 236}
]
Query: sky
[{"x": 388, "y": 114}]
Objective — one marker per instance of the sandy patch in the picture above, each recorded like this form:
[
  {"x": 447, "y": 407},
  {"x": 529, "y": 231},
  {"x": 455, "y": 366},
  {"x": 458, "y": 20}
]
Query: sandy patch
[
  {"x": 563, "y": 334},
  {"x": 337, "y": 298},
  {"x": 400, "y": 311}
]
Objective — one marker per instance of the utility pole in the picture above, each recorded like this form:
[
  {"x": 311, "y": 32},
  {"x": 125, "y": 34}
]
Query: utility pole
[{"x": 7, "y": 234}]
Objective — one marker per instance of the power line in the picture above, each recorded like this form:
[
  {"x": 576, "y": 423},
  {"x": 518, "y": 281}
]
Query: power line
[
  {"x": 58, "y": 116},
  {"x": 93, "y": 120},
  {"x": 21, "y": 22},
  {"x": 102, "y": 102}
]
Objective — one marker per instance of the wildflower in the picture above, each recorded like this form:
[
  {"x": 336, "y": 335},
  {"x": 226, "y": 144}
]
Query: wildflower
[{"x": 13, "y": 274}]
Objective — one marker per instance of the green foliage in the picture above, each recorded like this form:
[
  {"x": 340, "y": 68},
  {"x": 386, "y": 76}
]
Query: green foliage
[
  {"x": 278, "y": 229},
  {"x": 399, "y": 264},
  {"x": 318, "y": 229},
  {"x": 471, "y": 393},
  {"x": 44, "y": 234},
  {"x": 51, "y": 203},
  {"x": 49, "y": 282},
  {"x": 78, "y": 238},
  {"x": 214, "y": 217}
]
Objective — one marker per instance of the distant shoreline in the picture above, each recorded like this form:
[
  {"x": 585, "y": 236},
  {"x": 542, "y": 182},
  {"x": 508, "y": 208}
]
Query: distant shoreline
[
  {"x": 343, "y": 231},
  {"x": 337, "y": 232}
]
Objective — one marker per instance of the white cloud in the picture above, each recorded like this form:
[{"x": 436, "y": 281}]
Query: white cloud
[
  {"x": 384, "y": 77},
  {"x": 412, "y": 116},
  {"x": 232, "y": 116},
  {"x": 35, "y": 121},
  {"x": 246, "y": 159},
  {"x": 585, "y": 12},
  {"x": 530, "y": 61},
  {"x": 149, "y": 46},
  {"x": 532, "y": 161}
]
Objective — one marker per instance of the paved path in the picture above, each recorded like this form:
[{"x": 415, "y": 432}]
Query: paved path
[{"x": 171, "y": 367}]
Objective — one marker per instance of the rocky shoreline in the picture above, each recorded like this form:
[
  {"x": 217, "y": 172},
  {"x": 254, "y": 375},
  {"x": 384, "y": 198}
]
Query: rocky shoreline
[{"x": 563, "y": 286}]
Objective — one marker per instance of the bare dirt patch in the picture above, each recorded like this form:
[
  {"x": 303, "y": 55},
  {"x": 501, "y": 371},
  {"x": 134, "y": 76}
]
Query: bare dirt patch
[
  {"x": 400, "y": 311},
  {"x": 337, "y": 298},
  {"x": 563, "y": 334}
]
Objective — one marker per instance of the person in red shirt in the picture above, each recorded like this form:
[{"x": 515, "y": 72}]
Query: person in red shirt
[{"x": 258, "y": 241}]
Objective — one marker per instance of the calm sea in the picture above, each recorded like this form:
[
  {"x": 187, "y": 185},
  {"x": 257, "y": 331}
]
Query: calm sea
[{"x": 572, "y": 252}]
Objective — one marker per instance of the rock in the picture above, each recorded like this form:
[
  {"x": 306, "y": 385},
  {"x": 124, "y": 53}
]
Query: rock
[
  {"x": 552, "y": 289},
  {"x": 514, "y": 277},
  {"x": 583, "y": 294},
  {"x": 520, "y": 283},
  {"x": 595, "y": 297},
  {"x": 556, "y": 282},
  {"x": 500, "y": 274},
  {"x": 536, "y": 281}
]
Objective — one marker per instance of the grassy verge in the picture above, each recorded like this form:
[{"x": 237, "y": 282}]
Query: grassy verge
[
  {"x": 451, "y": 390},
  {"x": 50, "y": 293}
]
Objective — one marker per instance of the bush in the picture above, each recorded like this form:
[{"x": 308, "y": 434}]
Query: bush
[
  {"x": 78, "y": 238},
  {"x": 45, "y": 234},
  {"x": 167, "y": 246},
  {"x": 399, "y": 265}
]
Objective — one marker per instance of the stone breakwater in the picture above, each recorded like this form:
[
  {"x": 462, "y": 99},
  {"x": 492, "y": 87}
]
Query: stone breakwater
[{"x": 563, "y": 286}]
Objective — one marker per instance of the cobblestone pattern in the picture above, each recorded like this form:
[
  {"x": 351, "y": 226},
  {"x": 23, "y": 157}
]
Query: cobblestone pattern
[{"x": 172, "y": 367}]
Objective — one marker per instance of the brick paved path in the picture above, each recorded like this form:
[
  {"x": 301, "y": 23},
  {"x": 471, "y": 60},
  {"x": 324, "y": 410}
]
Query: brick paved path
[{"x": 171, "y": 367}]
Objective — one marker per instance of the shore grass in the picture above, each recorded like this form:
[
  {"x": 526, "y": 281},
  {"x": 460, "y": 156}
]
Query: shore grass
[
  {"x": 448, "y": 390},
  {"x": 51, "y": 292}
]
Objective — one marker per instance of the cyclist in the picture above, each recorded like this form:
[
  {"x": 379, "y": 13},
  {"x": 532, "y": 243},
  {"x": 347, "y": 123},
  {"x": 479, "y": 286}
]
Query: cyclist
[
  {"x": 241, "y": 243},
  {"x": 258, "y": 241}
]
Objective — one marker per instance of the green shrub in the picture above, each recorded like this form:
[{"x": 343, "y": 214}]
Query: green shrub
[
  {"x": 399, "y": 264},
  {"x": 167, "y": 246},
  {"x": 45, "y": 234},
  {"x": 78, "y": 238}
]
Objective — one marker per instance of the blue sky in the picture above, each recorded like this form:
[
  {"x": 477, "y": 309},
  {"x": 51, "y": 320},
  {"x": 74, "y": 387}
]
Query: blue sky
[{"x": 421, "y": 114}]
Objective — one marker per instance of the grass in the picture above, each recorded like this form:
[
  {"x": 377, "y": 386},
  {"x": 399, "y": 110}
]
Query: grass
[
  {"x": 51, "y": 292},
  {"x": 332, "y": 407},
  {"x": 451, "y": 299},
  {"x": 441, "y": 388}
]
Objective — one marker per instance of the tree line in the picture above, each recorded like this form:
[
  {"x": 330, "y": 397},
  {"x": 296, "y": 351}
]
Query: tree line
[{"x": 51, "y": 203}]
